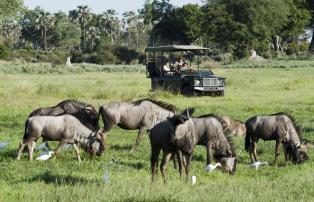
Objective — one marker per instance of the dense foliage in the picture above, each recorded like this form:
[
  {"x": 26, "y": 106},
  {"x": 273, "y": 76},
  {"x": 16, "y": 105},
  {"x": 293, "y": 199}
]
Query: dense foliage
[{"x": 271, "y": 27}]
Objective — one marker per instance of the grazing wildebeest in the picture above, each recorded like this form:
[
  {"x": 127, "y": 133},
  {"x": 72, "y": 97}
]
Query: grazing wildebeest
[
  {"x": 64, "y": 128},
  {"x": 85, "y": 113},
  {"x": 280, "y": 127},
  {"x": 236, "y": 127},
  {"x": 142, "y": 114},
  {"x": 206, "y": 130}
]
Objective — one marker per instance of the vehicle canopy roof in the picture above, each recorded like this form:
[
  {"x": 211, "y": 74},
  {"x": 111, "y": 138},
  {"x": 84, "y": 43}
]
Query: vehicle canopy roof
[{"x": 172, "y": 48}]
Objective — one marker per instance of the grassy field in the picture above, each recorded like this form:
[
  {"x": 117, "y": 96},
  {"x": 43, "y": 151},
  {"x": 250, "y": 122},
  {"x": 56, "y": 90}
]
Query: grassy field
[{"x": 250, "y": 91}]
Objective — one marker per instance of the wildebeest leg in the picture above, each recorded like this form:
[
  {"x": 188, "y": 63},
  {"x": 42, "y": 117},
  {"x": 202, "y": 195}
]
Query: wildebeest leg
[
  {"x": 163, "y": 165},
  {"x": 31, "y": 150},
  {"x": 179, "y": 155},
  {"x": 61, "y": 144},
  {"x": 254, "y": 151},
  {"x": 187, "y": 166},
  {"x": 277, "y": 153},
  {"x": 154, "y": 162},
  {"x": 251, "y": 150},
  {"x": 209, "y": 152},
  {"x": 77, "y": 151},
  {"x": 138, "y": 138},
  {"x": 173, "y": 157},
  {"x": 21, "y": 148},
  {"x": 285, "y": 153}
]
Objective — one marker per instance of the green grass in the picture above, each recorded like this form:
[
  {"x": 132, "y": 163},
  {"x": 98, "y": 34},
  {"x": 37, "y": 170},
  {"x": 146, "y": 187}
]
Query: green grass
[{"x": 249, "y": 92}]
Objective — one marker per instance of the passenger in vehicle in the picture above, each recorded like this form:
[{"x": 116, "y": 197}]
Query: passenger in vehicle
[{"x": 166, "y": 67}]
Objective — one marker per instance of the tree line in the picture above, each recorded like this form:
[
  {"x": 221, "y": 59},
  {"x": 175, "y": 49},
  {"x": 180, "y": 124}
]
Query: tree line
[{"x": 271, "y": 27}]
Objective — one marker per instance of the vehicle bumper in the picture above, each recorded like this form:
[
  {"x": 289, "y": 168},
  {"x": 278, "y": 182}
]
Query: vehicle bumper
[{"x": 209, "y": 88}]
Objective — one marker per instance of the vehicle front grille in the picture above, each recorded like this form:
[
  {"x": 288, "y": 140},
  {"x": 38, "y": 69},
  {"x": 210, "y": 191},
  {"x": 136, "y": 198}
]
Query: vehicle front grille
[{"x": 210, "y": 82}]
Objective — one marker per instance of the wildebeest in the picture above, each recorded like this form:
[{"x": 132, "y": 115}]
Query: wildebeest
[
  {"x": 141, "y": 114},
  {"x": 236, "y": 127},
  {"x": 162, "y": 137},
  {"x": 210, "y": 132},
  {"x": 85, "y": 113},
  {"x": 64, "y": 128},
  {"x": 280, "y": 127},
  {"x": 206, "y": 130}
]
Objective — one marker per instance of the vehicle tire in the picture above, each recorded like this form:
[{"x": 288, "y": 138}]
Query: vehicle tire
[{"x": 221, "y": 93}]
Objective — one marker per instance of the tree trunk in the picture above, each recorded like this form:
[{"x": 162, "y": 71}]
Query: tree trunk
[
  {"x": 45, "y": 38},
  {"x": 311, "y": 47}
]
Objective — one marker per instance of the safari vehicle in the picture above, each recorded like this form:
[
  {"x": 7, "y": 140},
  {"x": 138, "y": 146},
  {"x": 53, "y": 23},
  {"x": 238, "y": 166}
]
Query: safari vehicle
[{"x": 190, "y": 80}]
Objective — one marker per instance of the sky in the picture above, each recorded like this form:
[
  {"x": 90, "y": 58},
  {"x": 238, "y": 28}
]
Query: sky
[{"x": 97, "y": 6}]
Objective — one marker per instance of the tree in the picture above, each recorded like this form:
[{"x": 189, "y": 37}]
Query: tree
[
  {"x": 81, "y": 15},
  {"x": 239, "y": 26},
  {"x": 10, "y": 31},
  {"x": 10, "y": 8},
  {"x": 93, "y": 34},
  {"x": 110, "y": 24},
  {"x": 66, "y": 34},
  {"x": 44, "y": 22},
  {"x": 129, "y": 22},
  {"x": 181, "y": 25},
  {"x": 310, "y": 7}
]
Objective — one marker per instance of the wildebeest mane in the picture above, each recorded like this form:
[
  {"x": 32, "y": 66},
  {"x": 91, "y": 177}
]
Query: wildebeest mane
[
  {"x": 76, "y": 102},
  {"x": 161, "y": 104},
  {"x": 295, "y": 124},
  {"x": 210, "y": 115}
]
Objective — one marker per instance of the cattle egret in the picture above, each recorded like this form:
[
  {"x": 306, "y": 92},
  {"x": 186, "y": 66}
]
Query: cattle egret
[
  {"x": 193, "y": 179},
  {"x": 3, "y": 145},
  {"x": 42, "y": 146},
  {"x": 105, "y": 177},
  {"x": 44, "y": 156},
  {"x": 257, "y": 164},
  {"x": 210, "y": 167}
]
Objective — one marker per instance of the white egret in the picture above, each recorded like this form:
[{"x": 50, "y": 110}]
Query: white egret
[
  {"x": 210, "y": 167},
  {"x": 44, "y": 156},
  {"x": 193, "y": 179},
  {"x": 257, "y": 164}
]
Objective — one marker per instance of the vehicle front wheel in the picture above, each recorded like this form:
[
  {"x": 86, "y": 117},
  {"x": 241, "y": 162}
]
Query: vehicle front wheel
[{"x": 221, "y": 93}]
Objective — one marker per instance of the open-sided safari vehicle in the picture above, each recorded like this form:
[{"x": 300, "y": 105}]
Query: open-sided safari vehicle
[{"x": 176, "y": 68}]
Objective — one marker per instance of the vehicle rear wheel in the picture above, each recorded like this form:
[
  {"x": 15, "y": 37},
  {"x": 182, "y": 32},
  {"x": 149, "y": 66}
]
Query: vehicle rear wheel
[{"x": 188, "y": 91}]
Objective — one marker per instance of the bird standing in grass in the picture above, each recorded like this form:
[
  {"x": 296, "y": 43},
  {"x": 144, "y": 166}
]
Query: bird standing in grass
[
  {"x": 44, "y": 156},
  {"x": 257, "y": 164},
  {"x": 210, "y": 167}
]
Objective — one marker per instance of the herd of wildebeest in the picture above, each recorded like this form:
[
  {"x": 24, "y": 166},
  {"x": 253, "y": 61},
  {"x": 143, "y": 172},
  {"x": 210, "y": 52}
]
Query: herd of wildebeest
[{"x": 175, "y": 133}]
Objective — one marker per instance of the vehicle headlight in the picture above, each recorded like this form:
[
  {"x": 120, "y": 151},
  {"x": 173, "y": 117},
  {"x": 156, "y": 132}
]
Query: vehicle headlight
[{"x": 197, "y": 82}]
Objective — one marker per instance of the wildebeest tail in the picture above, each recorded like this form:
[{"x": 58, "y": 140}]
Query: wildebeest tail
[
  {"x": 101, "y": 109},
  {"x": 247, "y": 141},
  {"x": 26, "y": 129}
]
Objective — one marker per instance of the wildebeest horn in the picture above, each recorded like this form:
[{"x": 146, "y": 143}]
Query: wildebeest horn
[
  {"x": 89, "y": 108},
  {"x": 188, "y": 114}
]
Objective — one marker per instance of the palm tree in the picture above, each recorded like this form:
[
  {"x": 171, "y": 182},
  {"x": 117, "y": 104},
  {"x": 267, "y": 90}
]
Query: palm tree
[
  {"x": 11, "y": 30},
  {"x": 44, "y": 21},
  {"x": 129, "y": 22},
  {"x": 110, "y": 24},
  {"x": 83, "y": 16},
  {"x": 93, "y": 34}
]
